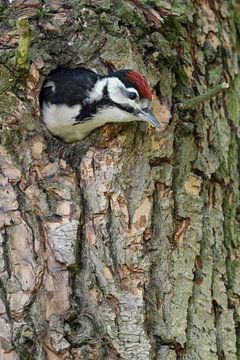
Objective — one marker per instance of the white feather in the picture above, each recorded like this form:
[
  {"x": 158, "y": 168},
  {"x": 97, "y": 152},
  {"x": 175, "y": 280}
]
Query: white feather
[
  {"x": 118, "y": 92},
  {"x": 96, "y": 93},
  {"x": 60, "y": 120}
]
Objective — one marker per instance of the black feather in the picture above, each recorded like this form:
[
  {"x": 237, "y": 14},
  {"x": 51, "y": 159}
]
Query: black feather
[{"x": 69, "y": 85}]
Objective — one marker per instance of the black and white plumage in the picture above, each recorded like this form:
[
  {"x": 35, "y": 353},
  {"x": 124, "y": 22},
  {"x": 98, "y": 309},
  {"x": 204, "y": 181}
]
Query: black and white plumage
[{"x": 74, "y": 102}]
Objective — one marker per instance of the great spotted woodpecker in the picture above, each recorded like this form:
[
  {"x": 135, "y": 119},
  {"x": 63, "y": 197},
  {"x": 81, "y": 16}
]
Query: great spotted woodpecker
[{"x": 74, "y": 102}]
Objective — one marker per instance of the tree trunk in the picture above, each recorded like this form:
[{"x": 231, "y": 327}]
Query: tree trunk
[{"x": 124, "y": 245}]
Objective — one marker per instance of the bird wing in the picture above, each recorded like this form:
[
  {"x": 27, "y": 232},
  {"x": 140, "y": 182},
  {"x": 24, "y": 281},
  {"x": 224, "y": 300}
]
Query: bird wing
[{"x": 67, "y": 86}]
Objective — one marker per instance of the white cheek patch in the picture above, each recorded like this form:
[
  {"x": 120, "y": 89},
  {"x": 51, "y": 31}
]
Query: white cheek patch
[
  {"x": 114, "y": 85},
  {"x": 119, "y": 94}
]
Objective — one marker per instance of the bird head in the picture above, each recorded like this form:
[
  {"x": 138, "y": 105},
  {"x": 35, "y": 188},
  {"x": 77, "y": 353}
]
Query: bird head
[{"x": 130, "y": 91}]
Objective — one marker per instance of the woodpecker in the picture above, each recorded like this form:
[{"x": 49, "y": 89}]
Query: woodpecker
[{"x": 74, "y": 102}]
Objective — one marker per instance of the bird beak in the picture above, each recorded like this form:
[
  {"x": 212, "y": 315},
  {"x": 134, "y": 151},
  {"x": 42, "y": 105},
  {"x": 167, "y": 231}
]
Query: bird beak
[{"x": 146, "y": 115}]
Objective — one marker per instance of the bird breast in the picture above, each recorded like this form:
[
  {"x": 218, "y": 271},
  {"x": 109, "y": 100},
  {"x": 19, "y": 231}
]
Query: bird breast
[{"x": 61, "y": 120}]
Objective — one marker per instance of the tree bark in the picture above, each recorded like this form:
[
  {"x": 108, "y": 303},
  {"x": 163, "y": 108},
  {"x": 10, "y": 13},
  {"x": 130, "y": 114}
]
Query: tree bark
[{"x": 125, "y": 245}]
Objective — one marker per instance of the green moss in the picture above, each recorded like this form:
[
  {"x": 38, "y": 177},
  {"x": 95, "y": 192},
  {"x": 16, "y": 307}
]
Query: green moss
[
  {"x": 163, "y": 46},
  {"x": 184, "y": 9},
  {"x": 232, "y": 100},
  {"x": 7, "y": 80},
  {"x": 233, "y": 105},
  {"x": 237, "y": 322},
  {"x": 230, "y": 239},
  {"x": 42, "y": 13},
  {"x": 236, "y": 16},
  {"x": 111, "y": 25},
  {"x": 167, "y": 82},
  {"x": 214, "y": 76},
  {"x": 103, "y": 5},
  {"x": 210, "y": 52},
  {"x": 4, "y": 12},
  {"x": 233, "y": 162},
  {"x": 183, "y": 83},
  {"x": 132, "y": 18},
  {"x": 12, "y": 136},
  {"x": 25, "y": 341}
]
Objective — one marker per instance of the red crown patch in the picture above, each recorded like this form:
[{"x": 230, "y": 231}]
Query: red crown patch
[{"x": 140, "y": 84}]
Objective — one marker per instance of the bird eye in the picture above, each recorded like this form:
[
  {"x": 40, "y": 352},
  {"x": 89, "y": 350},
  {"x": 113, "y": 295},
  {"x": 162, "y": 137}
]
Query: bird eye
[{"x": 132, "y": 95}]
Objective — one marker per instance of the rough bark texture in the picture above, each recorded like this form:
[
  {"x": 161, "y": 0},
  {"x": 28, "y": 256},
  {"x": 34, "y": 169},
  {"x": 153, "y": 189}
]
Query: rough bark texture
[{"x": 126, "y": 245}]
